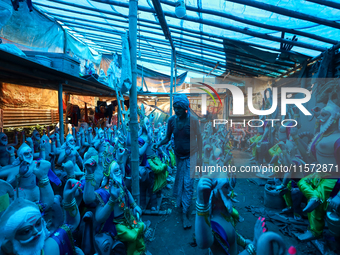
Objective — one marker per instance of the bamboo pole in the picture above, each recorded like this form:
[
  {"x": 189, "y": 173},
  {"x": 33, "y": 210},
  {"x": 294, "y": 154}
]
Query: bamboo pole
[
  {"x": 171, "y": 80},
  {"x": 133, "y": 9},
  {"x": 175, "y": 77},
  {"x": 61, "y": 112},
  {"x": 287, "y": 12}
]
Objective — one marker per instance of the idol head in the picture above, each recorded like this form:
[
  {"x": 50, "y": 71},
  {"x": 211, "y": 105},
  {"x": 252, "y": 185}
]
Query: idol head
[
  {"x": 221, "y": 194},
  {"x": 100, "y": 133},
  {"x": 216, "y": 157},
  {"x": 36, "y": 135},
  {"x": 70, "y": 141},
  {"x": 3, "y": 139},
  {"x": 91, "y": 159},
  {"x": 84, "y": 125},
  {"x": 146, "y": 125},
  {"x": 104, "y": 243},
  {"x": 25, "y": 153},
  {"x": 23, "y": 230},
  {"x": 283, "y": 133},
  {"x": 115, "y": 172},
  {"x": 328, "y": 116}
]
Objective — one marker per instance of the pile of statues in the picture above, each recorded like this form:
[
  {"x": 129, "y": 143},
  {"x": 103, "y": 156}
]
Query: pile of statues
[
  {"x": 275, "y": 145},
  {"x": 74, "y": 198}
]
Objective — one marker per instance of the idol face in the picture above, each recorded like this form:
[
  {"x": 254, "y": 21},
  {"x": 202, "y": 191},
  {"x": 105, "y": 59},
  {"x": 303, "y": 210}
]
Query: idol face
[
  {"x": 324, "y": 116},
  {"x": 27, "y": 155},
  {"x": 3, "y": 139},
  {"x": 116, "y": 173},
  {"x": 30, "y": 237},
  {"x": 282, "y": 135},
  {"x": 325, "y": 120},
  {"x": 71, "y": 142},
  {"x": 101, "y": 133},
  {"x": 36, "y": 136},
  {"x": 104, "y": 242}
]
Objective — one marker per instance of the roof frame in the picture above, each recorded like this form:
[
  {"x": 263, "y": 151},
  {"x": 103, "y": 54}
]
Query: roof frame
[
  {"x": 287, "y": 12},
  {"x": 223, "y": 26},
  {"x": 326, "y": 3},
  {"x": 255, "y": 23},
  {"x": 191, "y": 32}
]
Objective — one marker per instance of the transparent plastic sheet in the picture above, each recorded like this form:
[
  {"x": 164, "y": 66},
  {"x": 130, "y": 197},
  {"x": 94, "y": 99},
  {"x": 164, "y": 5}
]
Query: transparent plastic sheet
[
  {"x": 33, "y": 30},
  {"x": 89, "y": 28},
  {"x": 6, "y": 11},
  {"x": 242, "y": 11}
]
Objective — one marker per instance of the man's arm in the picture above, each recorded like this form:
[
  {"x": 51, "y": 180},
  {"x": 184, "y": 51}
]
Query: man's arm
[{"x": 167, "y": 138}]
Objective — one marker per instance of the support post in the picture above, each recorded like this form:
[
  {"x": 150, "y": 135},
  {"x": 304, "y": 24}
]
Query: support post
[
  {"x": 175, "y": 77},
  {"x": 61, "y": 113},
  {"x": 133, "y": 8},
  {"x": 171, "y": 80},
  {"x": 226, "y": 108}
]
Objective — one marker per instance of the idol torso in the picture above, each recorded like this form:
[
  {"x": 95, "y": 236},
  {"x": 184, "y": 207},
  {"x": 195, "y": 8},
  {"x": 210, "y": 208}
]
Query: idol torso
[{"x": 325, "y": 149}]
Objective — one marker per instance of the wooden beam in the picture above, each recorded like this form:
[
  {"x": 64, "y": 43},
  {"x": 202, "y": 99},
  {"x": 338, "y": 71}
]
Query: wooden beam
[
  {"x": 287, "y": 12},
  {"x": 326, "y": 3},
  {"x": 255, "y": 23},
  {"x": 161, "y": 18}
]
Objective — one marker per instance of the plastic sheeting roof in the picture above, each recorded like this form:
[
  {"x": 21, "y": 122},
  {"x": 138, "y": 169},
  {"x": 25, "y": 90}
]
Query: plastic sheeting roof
[{"x": 199, "y": 47}]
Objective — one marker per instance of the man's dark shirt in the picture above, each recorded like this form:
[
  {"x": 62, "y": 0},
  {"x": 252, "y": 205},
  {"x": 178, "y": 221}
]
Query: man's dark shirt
[{"x": 185, "y": 139}]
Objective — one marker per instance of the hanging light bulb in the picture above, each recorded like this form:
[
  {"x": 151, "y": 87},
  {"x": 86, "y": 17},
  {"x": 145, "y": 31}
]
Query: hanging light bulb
[{"x": 180, "y": 10}]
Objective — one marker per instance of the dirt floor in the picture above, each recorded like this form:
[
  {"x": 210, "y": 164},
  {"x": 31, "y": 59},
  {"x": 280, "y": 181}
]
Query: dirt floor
[{"x": 170, "y": 238}]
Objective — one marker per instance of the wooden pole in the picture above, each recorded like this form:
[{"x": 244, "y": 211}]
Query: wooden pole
[
  {"x": 61, "y": 113},
  {"x": 133, "y": 9},
  {"x": 287, "y": 12},
  {"x": 171, "y": 80}
]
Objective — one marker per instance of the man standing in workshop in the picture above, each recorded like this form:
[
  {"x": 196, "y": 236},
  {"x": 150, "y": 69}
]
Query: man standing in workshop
[{"x": 188, "y": 151}]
